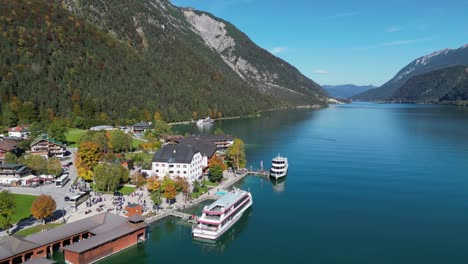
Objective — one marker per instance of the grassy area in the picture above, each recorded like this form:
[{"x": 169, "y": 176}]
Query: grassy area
[
  {"x": 73, "y": 135},
  {"x": 146, "y": 156},
  {"x": 23, "y": 206},
  {"x": 36, "y": 229},
  {"x": 126, "y": 190},
  {"x": 209, "y": 183},
  {"x": 136, "y": 142}
]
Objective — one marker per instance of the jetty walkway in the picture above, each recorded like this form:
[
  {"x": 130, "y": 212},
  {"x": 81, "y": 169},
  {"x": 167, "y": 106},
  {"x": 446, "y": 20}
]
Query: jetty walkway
[{"x": 231, "y": 179}]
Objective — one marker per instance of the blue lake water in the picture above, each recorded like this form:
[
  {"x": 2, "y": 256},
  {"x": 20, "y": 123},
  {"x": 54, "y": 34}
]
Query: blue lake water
[{"x": 368, "y": 183}]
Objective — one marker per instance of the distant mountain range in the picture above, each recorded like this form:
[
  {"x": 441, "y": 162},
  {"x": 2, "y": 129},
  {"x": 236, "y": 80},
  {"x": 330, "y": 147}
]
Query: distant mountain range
[
  {"x": 122, "y": 61},
  {"x": 438, "y": 60},
  {"x": 439, "y": 86},
  {"x": 345, "y": 91}
]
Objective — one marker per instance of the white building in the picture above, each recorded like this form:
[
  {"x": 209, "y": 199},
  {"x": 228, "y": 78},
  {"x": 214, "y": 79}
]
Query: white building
[{"x": 178, "y": 160}]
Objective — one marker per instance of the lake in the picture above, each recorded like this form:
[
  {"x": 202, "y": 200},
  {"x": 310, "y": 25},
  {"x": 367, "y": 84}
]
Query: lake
[{"x": 368, "y": 183}]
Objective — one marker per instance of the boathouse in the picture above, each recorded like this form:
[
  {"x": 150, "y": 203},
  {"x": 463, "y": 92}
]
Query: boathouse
[{"x": 84, "y": 241}]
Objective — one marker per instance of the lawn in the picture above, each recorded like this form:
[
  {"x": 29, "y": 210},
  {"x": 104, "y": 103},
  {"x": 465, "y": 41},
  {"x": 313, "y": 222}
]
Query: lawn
[
  {"x": 126, "y": 190},
  {"x": 73, "y": 135},
  {"x": 147, "y": 157},
  {"x": 136, "y": 142},
  {"x": 36, "y": 229},
  {"x": 23, "y": 206}
]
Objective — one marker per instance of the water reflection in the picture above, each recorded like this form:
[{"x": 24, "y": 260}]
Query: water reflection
[
  {"x": 222, "y": 243},
  {"x": 278, "y": 184}
]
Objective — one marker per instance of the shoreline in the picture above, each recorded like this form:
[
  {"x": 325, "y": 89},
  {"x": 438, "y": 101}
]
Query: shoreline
[
  {"x": 257, "y": 114},
  {"x": 232, "y": 179}
]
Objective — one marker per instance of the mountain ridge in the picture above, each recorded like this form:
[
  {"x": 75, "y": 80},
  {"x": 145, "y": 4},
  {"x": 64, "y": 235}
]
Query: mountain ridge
[
  {"x": 99, "y": 61},
  {"x": 345, "y": 91},
  {"x": 430, "y": 62}
]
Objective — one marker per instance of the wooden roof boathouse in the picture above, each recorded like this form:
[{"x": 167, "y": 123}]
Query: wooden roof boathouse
[{"x": 84, "y": 241}]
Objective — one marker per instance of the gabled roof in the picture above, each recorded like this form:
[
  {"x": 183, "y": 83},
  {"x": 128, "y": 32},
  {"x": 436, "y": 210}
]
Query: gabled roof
[
  {"x": 18, "y": 128},
  {"x": 213, "y": 138},
  {"x": 142, "y": 124},
  {"x": 16, "y": 167},
  {"x": 175, "y": 154},
  {"x": 8, "y": 144},
  {"x": 51, "y": 140},
  {"x": 12, "y": 245},
  {"x": 206, "y": 147}
]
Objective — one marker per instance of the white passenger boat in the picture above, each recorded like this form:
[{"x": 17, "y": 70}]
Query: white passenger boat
[
  {"x": 219, "y": 216},
  {"x": 205, "y": 121},
  {"x": 279, "y": 167}
]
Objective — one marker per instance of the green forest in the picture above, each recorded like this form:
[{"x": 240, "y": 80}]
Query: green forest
[{"x": 67, "y": 63}]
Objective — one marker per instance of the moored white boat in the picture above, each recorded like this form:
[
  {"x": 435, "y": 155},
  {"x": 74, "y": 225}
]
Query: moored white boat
[
  {"x": 219, "y": 216},
  {"x": 279, "y": 167},
  {"x": 205, "y": 121}
]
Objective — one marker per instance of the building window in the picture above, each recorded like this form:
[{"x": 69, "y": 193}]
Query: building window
[
  {"x": 163, "y": 165},
  {"x": 178, "y": 172},
  {"x": 185, "y": 166},
  {"x": 178, "y": 166},
  {"x": 185, "y": 172},
  {"x": 157, "y": 165},
  {"x": 40, "y": 252}
]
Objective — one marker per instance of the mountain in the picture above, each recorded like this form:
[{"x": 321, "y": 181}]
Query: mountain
[
  {"x": 346, "y": 90},
  {"x": 434, "y": 61},
  {"x": 444, "y": 85},
  {"x": 104, "y": 61}
]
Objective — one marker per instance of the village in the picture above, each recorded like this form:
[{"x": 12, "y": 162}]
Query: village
[{"x": 96, "y": 180}]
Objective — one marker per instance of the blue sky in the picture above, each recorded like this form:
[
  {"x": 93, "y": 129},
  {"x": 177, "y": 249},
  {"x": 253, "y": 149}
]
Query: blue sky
[{"x": 338, "y": 42}]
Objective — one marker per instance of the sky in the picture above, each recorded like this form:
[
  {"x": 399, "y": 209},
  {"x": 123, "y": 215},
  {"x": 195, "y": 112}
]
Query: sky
[{"x": 346, "y": 41}]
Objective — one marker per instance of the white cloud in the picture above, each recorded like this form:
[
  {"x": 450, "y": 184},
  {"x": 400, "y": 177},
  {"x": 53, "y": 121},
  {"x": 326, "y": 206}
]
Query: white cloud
[
  {"x": 393, "y": 29},
  {"x": 321, "y": 71},
  {"x": 277, "y": 50},
  {"x": 398, "y": 42}
]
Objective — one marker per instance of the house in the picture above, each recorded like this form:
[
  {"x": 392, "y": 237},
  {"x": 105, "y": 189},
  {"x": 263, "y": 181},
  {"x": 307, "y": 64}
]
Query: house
[
  {"x": 20, "y": 132},
  {"x": 133, "y": 209},
  {"x": 177, "y": 160},
  {"x": 47, "y": 147},
  {"x": 221, "y": 141},
  {"x": 141, "y": 127},
  {"x": 207, "y": 148},
  {"x": 12, "y": 173},
  {"x": 171, "y": 139},
  {"x": 7, "y": 145}
]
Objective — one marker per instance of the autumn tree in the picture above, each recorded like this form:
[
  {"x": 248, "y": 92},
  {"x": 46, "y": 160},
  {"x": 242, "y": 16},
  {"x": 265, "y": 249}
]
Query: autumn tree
[
  {"x": 170, "y": 192},
  {"x": 182, "y": 185},
  {"x": 7, "y": 209},
  {"x": 236, "y": 154},
  {"x": 42, "y": 207},
  {"x": 88, "y": 155},
  {"x": 54, "y": 166},
  {"x": 138, "y": 179},
  {"x": 153, "y": 184}
]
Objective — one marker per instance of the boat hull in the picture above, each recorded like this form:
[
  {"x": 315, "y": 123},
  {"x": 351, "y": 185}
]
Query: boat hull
[
  {"x": 277, "y": 175},
  {"x": 213, "y": 235}
]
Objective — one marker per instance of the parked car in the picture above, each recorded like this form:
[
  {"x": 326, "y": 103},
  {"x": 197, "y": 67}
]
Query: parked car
[
  {"x": 117, "y": 194},
  {"x": 66, "y": 198}
]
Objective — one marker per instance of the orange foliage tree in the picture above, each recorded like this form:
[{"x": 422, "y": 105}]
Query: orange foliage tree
[
  {"x": 153, "y": 183},
  {"x": 219, "y": 161},
  {"x": 88, "y": 156},
  {"x": 42, "y": 207},
  {"x": 170, "y": 192}
]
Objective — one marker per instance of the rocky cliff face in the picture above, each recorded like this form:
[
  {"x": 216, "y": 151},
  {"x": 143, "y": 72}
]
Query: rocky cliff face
[{"x": 151, "y": 24}]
